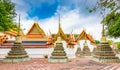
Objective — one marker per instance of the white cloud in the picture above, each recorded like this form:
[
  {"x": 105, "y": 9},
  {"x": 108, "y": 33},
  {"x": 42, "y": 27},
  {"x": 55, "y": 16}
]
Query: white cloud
[{"x": 70, "y": 20}]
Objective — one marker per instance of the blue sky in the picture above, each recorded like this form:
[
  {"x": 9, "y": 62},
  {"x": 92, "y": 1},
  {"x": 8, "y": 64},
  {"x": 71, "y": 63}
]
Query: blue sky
[
  {"x": 47, "y": 8},
  {"x": 74, "y": 15}
]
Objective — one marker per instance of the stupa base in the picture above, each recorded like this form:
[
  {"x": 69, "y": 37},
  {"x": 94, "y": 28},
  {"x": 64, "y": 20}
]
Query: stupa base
[
  {"x": 107, "y": 60},
  {"x": 15, "y": 60},
  {"x": 57, "y": 60}
]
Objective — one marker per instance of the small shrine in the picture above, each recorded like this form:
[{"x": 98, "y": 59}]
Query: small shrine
[
  {"x": 78, "y": 52},
  {"x": 86, "y": 50},
  {"x": 58, "y": 55},
  {"x": 104, "y": 53},
  {"x": 17, "y": 52}
]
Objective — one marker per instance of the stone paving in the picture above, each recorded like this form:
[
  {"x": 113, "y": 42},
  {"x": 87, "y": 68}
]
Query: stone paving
[{"x": 73, "y": 64}]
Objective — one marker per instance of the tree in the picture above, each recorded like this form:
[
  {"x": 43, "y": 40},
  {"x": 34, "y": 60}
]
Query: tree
[
  {"x": 118, "y": 45},
  {"x": 110, "y": 41},
  {"x": 7, "y": 14},
  {"x": 97, "y": 41},
  {"x": 112, "y": 18},
  {"x": 112, "y": 22}
]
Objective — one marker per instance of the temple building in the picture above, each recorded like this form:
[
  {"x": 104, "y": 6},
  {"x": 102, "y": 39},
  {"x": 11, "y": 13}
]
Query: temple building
[{"x": 37, "y": 43}]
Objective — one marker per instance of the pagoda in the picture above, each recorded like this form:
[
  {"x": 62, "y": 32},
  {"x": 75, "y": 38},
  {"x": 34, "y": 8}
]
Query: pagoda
[
  {"x": 17, "y": 52},
  {"x": 52, "y": 40},
  {"x": 103, "y": 52},
  {"x": 58, "y": 55},
  {"x": 78, "y": 52},
  {"x": 86, "y": 50}
]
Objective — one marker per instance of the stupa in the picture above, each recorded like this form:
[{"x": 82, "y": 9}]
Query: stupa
[
  {"x": 86, "y": 50},
  {"x": 103, "y": 52},
  {"x": 78, "y": 52},
  {"x": 17, "y": 52},
  {"x": 58, "y": 54}
]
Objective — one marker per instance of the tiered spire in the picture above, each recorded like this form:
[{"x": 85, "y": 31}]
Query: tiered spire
[
  {"x": 103, "y": 39},
  {"x": 19, "y": 25},
  {"x": 17, "y": 52},
  {"x": 59, "y": 22},
  {"x": 60, "y": 31}
]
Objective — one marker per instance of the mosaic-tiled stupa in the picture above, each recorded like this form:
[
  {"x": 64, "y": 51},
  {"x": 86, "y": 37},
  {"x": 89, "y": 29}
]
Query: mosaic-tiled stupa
[
  {"x": 78, "y": 51},
  {"x": 86, "y": 50},
  {"x": 104, "y": 53},
  {"x": 58, "y": 54},
  {"x": 17, "y": 52}
]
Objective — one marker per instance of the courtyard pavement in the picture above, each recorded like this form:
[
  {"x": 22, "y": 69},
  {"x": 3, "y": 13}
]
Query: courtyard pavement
[{"x": 73, "y": 64}]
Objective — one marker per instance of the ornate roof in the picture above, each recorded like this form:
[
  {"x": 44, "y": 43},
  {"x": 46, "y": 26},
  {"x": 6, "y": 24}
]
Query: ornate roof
[
  {"x": 85, "y": 36},
  {"x": 35, "y": 31},
  {"x": 14, "y": 33}
]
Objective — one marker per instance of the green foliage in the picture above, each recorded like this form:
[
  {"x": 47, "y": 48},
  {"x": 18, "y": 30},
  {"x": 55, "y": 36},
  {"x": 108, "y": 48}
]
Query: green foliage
[
  {"x": 118, "y": 45},
  {"x": 7, "y": 13},
  {"x": 97, "y": 41},
  {"x": 112, "y": 19},
  {"x": 110, "y": 41},
  {"x": 112, "y": 22}
]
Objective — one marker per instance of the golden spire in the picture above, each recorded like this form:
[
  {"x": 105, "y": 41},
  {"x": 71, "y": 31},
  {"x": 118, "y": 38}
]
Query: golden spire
[
  {"x": 103, "y": 33},
  {"x": 19, "y": 25},
  {"x": 103, "y": 39},
  {"x": 18, "y": 37},
  {"x": 59, "y": 22}
]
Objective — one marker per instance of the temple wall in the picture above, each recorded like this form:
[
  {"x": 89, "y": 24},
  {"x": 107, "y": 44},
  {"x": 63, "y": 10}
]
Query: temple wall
[
  {"x": 38, "y": 52},
  {"x": 32, "y": 52},
  {"x": 91, "y": 47},
  {"x": 70, "y": 51}
]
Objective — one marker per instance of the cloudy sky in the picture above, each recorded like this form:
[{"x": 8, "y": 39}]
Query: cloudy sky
[{"x": 74, "y": 15}]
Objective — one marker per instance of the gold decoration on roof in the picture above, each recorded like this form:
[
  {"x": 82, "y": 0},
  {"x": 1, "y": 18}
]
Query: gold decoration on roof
[
  {"x": 85, "y": 36},
  {"x": 35, "y": 31},
  {"x": 60, "y": 33}
]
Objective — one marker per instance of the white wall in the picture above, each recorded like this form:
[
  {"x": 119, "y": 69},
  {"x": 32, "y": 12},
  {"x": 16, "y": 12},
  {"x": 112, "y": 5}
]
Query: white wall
[
  {"x": 38, "y": 52},
  {"x": 91, "y": 47},
  {"x": 32, "y": 52}
]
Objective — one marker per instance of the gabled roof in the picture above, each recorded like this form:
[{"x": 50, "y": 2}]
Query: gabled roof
[
  {"x": 85, "y": 36},
  {"x": 35, "y": 31}
]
